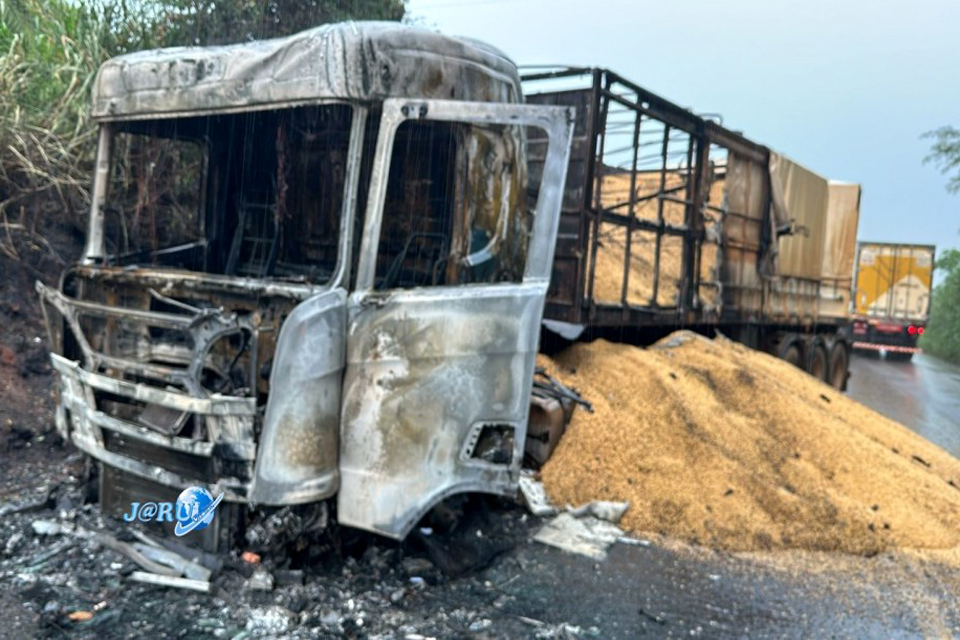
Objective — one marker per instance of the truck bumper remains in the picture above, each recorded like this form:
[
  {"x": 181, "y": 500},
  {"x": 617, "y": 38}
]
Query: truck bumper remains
[{"x": 114, "y": 441}]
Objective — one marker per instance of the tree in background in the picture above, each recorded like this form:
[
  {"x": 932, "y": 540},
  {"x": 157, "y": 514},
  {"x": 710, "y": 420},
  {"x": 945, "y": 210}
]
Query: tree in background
[
  {"x": 942, "y": 336},
  {"x": 945, "y": 152},
  {"x": 205, "y": 22}
]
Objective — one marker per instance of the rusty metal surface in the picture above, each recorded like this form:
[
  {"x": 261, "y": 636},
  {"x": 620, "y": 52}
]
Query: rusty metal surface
[
  {"x": 458, "y": 359},
  {"x": 300, "y": 436},
  {"x": 79, "y": 418},
  {"x": 363, "y": 61},
  {"x": 426, "y": 370},
  {"x": 101, "y": 375},
  {"x": 732, "y": 230},
  {"x": 430, "y": 369}
]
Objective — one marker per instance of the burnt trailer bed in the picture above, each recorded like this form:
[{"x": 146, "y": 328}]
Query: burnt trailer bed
[{"x": 659, "y": 194}]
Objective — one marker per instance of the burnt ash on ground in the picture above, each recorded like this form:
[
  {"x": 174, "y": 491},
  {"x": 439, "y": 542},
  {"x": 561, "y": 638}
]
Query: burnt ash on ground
[
  {"x": 477, "y": 574},
  {"x": 348, "y": 585},
  {"x": 27, "y": 435}
]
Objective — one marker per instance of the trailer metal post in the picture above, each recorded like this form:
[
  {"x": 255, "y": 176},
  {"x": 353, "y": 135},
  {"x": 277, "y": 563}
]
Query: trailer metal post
[
  {"x": 632, "y": 214},
  {"x": 694, "y": 222},
  {"x": 604, "y": 105}
]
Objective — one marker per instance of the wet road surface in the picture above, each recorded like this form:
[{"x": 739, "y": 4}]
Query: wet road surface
[
  {"x": 689, "y": 592},
  {"x": 923, "y": 394}
]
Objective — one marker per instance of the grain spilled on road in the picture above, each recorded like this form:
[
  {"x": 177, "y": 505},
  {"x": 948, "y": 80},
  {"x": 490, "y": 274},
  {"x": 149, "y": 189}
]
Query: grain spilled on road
[{"x": 717, "y": 444}]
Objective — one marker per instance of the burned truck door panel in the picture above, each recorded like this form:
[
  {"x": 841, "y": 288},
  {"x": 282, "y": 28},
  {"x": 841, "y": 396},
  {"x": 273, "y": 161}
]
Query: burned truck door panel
[
  {"x": 298, "y": 445},
  {"x": 444, "y": 323}
]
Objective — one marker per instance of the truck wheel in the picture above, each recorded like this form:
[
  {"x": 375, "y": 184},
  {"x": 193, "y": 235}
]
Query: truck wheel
[
  {"x": 790, "y": 351},
  {"x": 839, "y": 363},
  {"x": 817, "y": 361}
]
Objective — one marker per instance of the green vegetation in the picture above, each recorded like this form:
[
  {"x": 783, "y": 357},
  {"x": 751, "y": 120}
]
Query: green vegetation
[
  {"x": 945, "y": 152},
  {"x": 50, "y": 51},
  {"x": 205, "y": 22},
  {"x": 942, "y": 337},
  {"x": 49, "y": 54}
]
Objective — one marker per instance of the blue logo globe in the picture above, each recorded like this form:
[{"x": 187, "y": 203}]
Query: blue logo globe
[{"x": 195, "y": 510}]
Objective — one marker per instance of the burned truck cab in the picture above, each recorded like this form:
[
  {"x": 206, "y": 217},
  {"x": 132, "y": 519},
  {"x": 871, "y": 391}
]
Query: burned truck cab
[{"x": 315, "y": 271}]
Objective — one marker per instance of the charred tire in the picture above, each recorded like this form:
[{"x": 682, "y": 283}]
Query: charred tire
[
  {"x": 839, "y": 363},
  {"x": 790, "y": 350},
  {"x": 817, "y": 363}
]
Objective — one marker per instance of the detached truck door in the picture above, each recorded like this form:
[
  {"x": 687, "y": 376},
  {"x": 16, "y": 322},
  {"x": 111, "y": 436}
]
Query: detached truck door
[{"x": 444, "y": 323}]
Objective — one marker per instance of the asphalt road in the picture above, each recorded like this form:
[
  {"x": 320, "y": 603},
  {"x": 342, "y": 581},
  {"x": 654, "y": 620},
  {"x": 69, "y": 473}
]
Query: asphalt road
[{"x": 923, "y": 394}]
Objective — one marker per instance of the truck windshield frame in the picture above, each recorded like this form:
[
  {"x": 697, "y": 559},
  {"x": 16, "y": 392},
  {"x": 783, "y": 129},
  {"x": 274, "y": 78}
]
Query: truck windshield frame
[{"x": 216, "y": 255}]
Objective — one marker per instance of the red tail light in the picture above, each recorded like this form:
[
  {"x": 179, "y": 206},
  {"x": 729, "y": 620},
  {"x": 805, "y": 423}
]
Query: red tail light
[
  {"x": 911, "y": 330},
  {"x": 920, "y": 330}
]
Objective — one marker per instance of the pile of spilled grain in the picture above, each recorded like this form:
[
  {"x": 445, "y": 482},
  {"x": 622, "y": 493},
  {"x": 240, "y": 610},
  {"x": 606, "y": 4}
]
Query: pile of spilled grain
[{"x": 720, "y": 445}]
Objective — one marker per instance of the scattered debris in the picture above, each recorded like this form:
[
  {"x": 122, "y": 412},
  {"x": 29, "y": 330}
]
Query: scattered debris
[
  {"x": 637, "y": 542},
  {"x": 21, "y": 508},
  {"x": 49, "y": 528},
  {"x": 651, "y": 617},
  {"x": 286, "y": 525},
  {"x": 287, "y": 577},
  {"x": 261, "y": 580},
  {"x": 135, "y": 553},
  {"x": 41, "y": 559},
  {"x": 174, "y": 561},
  {"x": 417, "y": 566},
  {"x": 587, "y": 535},
  {"x": 271, "y": 621},
  {"x": 170, "y": 581},
  {"x": 212, "y": 561},
  {"x": 534, "y": 496},
  {"x": 602, "y": 509},
  {"x": 80, "y": 616},
  {"x": 545, "y": 382},
  {"x": 480, "y": 625}
]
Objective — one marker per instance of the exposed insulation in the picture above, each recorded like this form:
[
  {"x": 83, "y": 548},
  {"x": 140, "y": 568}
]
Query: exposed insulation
[{"x": 718, "y": 444}]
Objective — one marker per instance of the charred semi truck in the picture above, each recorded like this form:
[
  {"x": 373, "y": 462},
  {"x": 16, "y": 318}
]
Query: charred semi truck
[
  {"x": 317, "y": 267},
  {"x": 670, "y": 220}
]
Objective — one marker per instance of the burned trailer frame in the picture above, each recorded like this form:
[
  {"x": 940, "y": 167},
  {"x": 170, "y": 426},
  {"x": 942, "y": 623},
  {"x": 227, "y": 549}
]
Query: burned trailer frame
[
  {"x": 646, "y": 174},
  {"x": 398, "y": 376}
]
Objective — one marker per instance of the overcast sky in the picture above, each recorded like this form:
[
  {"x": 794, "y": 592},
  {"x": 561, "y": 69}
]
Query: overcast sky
[{"x": 843, "y": 87}]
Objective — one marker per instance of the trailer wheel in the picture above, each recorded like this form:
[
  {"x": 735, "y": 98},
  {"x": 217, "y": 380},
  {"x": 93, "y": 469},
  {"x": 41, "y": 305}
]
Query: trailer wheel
[
  {"x": 790, "y": 351},
  {"x": 817, "y": 361},
  {"x": 839, "y": 363}
]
